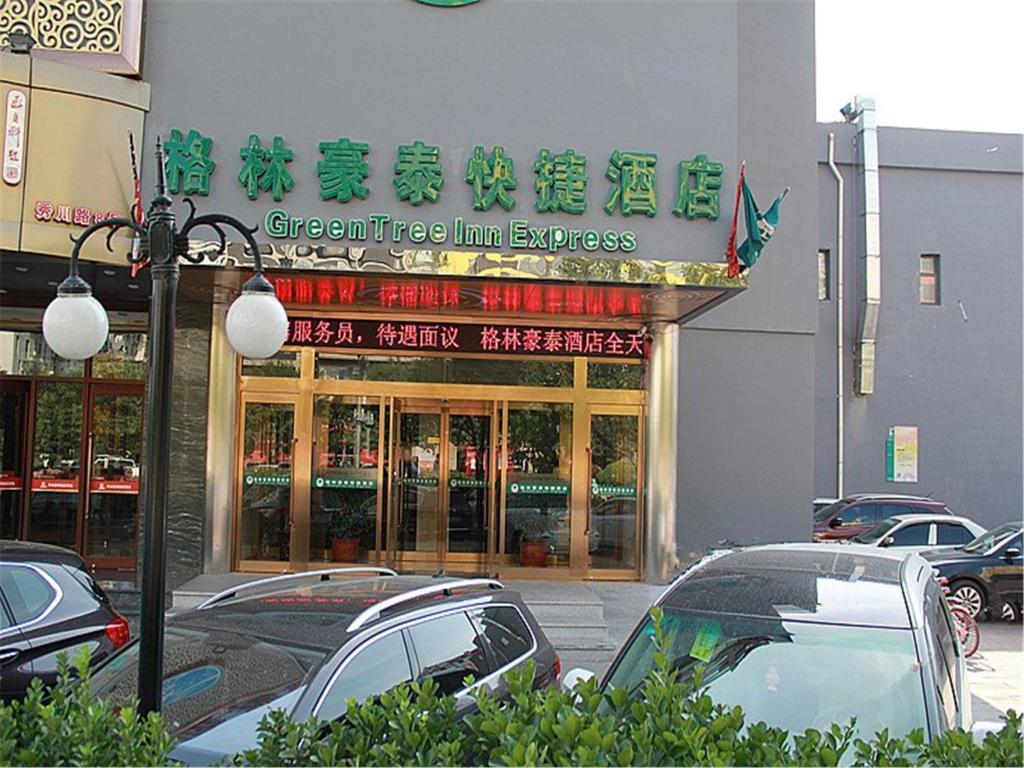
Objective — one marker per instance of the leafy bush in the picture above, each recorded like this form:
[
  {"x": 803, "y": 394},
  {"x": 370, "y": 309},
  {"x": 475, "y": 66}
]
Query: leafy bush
[
  {"x": 669, "y": 722},
  {"x": 66, "y": 725}
]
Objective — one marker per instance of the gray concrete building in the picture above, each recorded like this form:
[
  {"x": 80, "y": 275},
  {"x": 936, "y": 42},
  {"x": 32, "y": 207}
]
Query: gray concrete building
[
  {"x": 948, "y": 344},
  {"x": 514, "y": 346}
]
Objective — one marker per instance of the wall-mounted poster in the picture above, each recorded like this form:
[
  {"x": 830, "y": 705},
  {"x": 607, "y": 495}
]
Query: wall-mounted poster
[{"x": 901, "y": 455}]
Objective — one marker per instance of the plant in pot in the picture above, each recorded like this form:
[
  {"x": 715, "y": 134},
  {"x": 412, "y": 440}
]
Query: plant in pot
[
  {"x": 346, "y": 527},
  {"x": 534, "y": 540}
]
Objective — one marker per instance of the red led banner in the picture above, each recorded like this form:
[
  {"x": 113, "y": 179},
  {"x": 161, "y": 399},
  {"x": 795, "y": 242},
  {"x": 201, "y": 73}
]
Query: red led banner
[
  {"x": 10, "y": 481},
  {"x": 472, "y": 338}
]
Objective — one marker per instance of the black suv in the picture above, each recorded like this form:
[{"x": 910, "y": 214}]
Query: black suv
[
  {"x": 307, "y": 642},
  {"x": 49, "y": 604}
]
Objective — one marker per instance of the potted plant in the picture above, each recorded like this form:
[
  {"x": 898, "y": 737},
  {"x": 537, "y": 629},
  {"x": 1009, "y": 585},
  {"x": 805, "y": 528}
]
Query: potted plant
[
  {"x": 346, "y": 527},
  {"x": 534, "y": 540}
]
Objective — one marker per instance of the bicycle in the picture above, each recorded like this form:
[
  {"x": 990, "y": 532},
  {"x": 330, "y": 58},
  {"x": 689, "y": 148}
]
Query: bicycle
[{"x": 966, "y": 625}]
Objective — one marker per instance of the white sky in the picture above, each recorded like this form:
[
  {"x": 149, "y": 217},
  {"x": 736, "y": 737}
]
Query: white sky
[{"x": 951, "y": 64}]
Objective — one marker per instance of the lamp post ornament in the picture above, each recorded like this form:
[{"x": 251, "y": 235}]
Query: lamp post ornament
[{"x": 75, "y": 326}]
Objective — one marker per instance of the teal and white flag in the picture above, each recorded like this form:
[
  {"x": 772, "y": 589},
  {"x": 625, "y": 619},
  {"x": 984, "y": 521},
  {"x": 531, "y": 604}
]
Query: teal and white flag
[{"x": 760, "y": 226}]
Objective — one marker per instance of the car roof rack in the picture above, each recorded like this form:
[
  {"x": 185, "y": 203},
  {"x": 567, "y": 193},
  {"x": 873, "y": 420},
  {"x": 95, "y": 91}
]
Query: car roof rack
[
  {"x": 323, "y": 575},
  {"x": 374, "y": 612}
]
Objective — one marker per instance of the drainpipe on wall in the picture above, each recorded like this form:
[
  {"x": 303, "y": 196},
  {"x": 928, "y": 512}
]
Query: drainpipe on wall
[
  {"x": 840, "y": 375},
  {"x": 862, "y": 111}
]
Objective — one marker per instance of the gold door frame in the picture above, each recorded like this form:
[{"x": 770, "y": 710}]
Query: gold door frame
[{"x": 486, "y": 399}]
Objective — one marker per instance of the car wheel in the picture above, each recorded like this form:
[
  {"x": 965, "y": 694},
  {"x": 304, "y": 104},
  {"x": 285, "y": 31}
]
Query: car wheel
[
  {"x": 970, "y": 594},
  {"x": 1010, "y": 612}
]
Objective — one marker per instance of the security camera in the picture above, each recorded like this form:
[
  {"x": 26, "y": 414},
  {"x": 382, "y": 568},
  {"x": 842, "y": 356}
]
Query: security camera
[{"x": 848, "y": 112}]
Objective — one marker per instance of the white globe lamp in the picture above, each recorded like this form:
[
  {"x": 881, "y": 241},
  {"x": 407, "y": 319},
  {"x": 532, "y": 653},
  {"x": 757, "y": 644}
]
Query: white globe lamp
[
  {"x": 257, "y": 324},
  {"x": 75, "y": 324}
]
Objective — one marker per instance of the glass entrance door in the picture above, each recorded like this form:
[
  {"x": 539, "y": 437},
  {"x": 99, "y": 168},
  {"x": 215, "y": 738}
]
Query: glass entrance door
[
  {"x": 267, "y": 493},
  {"x": 442, "y": 485},
  {"x": 613, "y": 525},
  {"x": 345, "y": 498},
  {"x": 112, "y": 492},
  {"x": 56, "y": 469},
  {"x": 415, "y": 490},
  {"x": 469, "y": 473},
  {"x": 13, "y": 424}
]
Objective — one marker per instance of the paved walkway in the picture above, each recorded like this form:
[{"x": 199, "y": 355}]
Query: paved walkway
[{"x": 996, "y": 672}]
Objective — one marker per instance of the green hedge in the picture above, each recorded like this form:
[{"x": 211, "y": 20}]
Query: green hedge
[{"x": 670, "y": 722}]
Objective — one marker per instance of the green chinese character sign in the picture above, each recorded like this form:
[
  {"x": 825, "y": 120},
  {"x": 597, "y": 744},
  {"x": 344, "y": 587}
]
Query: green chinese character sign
[
  {"x": 418, "y": 173},
  {"x": 343, "y": 170},
  {"x": 701, "y": 199},
  {"x": 188, "y": 164},
  {"x": 491, "y": 178},
  {"x": 561, "y": 182},
  {"x": 266, "y": 169},
  {"x": 634, "y": 184}
]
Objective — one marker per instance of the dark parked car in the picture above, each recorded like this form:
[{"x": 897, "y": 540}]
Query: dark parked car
[
  {"x": 49, "y": 604},
  {"x": 855, "y": 514},
  {"x": 987, "y": 574},
  {"x": 804, "y": 635},
  {"x": 308, "y": 642}
]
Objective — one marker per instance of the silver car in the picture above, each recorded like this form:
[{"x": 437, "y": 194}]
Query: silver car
[{"x": 805, "y": 635}]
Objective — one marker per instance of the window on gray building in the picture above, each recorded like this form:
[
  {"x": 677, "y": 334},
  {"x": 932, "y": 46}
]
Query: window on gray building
[
  {"x": 929, "y": 279},
  {"x": 824, "y": 275}
]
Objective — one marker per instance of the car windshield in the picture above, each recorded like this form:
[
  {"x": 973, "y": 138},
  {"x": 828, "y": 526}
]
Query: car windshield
[
  {"x": 986, "y": 541},
  {"x": 826, "y": 512},
  {"x": 790, "y": 674},
  {"x": 872, "y": 535},
  {"x": 212, "y": 677}
]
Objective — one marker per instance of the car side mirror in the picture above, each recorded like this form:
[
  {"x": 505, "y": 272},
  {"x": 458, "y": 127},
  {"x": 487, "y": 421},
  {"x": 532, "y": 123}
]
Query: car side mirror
[
  {"x": 888, "y": 541},
  {"x": 835, "y": 522},
  {"x": 574, "y": 676},
  {"x": 1012, "y": 553},
  {"x": 982, "y": 728}
]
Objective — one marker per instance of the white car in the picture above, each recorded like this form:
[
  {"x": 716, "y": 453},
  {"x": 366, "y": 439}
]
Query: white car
[{"x": 914, "y": 533}]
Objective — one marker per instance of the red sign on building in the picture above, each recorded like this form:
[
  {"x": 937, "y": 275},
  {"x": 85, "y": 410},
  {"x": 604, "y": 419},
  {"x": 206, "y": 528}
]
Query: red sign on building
[{"x": 472, "y": 338}]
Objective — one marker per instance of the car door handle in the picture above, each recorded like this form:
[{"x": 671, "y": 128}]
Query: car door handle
[{"x": 8, "y": 655}]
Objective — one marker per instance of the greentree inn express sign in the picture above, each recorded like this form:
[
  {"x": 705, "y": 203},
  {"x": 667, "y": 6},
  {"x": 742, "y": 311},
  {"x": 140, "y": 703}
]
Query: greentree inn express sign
[{"x": 558, "y": 183}]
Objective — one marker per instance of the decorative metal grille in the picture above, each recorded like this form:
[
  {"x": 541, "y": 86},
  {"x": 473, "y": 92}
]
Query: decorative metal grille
[{"x": 83, "y": 26}]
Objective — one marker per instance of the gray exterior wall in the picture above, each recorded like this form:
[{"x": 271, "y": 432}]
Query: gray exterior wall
[
  {"x": 731, "y": 80},
  {"x": 956, "y": 375}
]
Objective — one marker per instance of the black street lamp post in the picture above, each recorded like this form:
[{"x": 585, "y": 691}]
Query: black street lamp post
[{"x": 77, "y": 329}]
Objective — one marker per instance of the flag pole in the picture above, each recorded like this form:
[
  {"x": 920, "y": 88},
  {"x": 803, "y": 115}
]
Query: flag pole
[{"x": 731, "y": 255}]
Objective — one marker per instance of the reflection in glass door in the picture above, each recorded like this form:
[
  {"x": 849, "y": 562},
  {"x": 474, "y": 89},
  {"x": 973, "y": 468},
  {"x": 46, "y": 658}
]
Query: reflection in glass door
[
  {"x": 268, "y": 453},
  {"x": 344, "y": 494},
  {"x": 112, "y": 509},
  {"x": 468, "y": 485},
  {"x": 537, "y": 492},
  {"x": 417, "y": 468},
  {"x": 13, "y": 420},
  {"x": 614, "y": 490},
  {"x": 56, "y": 447}
]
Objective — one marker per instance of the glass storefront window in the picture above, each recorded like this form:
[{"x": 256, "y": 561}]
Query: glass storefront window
[
  {"x": 25, "y": 353},
  {"x": 122, "y": 357},
  {"x": 55, "y": 463},
  {"x": 523, "y": 373},
  {"x": 112, "y": 524},
  {"x": 268, "y": 453},
  {"x": 343, "y": 501},
  {"x": 615, "y": 376},
  {"x": 615, "y": 446},
  {"x": 379, "y": 368},
  {"x": 283, "y": 364},
  {"x": 538, "y": 483},
  {"x": 13, "y": 419},
  {"x": 527, "y": 373}
]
